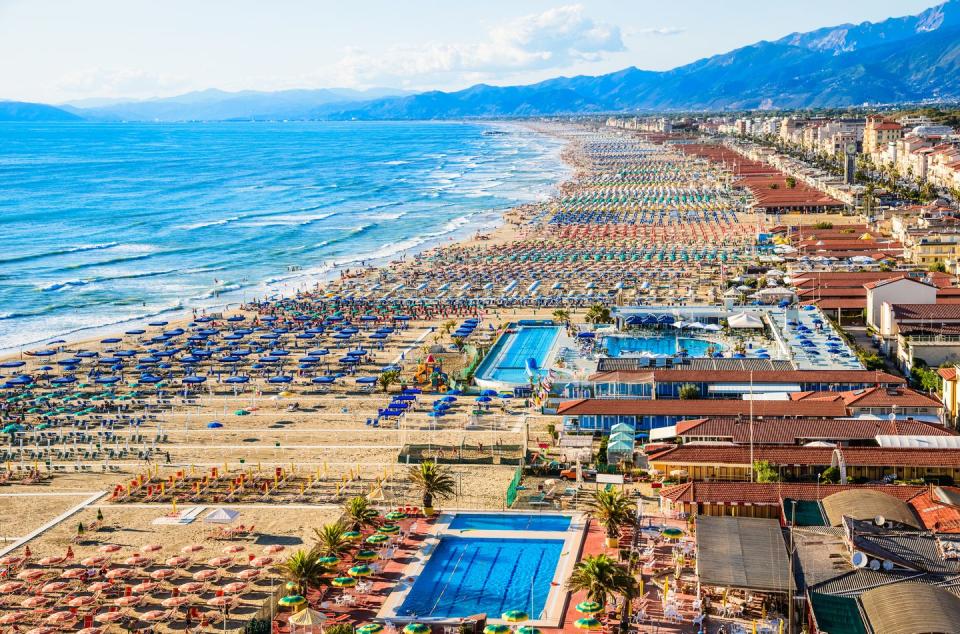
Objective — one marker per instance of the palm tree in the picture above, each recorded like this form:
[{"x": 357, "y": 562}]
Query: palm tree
[
  {"x": 359, "y": 511},
  {"x": 613, "y": 510},
  {"x": 388, "y": 378},
  {"x": 303, "y": 569},
  {"x": 562, "y": 315},
  {"x": 602, "y": 578},
  {"x": 331, "y": 541},
  {"x": 433, "y": 481},
  {"x": 599, "y": 314}
]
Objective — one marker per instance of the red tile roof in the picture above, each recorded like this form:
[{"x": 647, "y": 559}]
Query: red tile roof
[
  {"x": 879, "y": 283},
  {"x": 935, "y": 312},
  {"x": 949, "y": 374},
  {"x": 790, "y": 431},
  {"x": 884, "y": 397},
  {"x": 934, "y": 514},
  {"x": 697, "y": 407},
  {"x": 812, "y": 456},
  {"x": 773, "y": 492}
]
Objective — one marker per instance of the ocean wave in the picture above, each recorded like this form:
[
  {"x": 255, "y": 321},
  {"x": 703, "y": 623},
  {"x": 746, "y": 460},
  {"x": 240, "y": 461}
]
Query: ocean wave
[
  {"x": 67, "y": 251},
  {"x": 211, "y": 223}
]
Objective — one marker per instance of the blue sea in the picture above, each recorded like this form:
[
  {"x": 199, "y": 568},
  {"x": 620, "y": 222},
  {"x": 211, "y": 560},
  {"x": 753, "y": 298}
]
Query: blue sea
[{"x": 107, "y": 224}]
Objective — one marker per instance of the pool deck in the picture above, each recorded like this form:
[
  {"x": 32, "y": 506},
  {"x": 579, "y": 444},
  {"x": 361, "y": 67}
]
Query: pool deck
[{"x": 555, "y": 607}]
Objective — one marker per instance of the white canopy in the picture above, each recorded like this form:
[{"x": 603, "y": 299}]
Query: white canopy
[
  {"x": 745, "y": 320},
  {"x": 221, "y": 516}
]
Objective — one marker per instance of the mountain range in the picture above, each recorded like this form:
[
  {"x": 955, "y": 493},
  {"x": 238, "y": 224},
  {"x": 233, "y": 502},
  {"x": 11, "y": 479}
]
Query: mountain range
[{"x": 903, "y": 59}]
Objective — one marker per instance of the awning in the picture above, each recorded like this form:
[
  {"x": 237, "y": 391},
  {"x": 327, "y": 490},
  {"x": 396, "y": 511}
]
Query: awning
[
  {"x": 663, "y": 433},
  {"x": 746, "y": 388},
  {"x": 918, "y": 442}
]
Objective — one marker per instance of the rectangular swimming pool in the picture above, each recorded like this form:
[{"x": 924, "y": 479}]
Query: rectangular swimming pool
[
  {"x": 467, "y": 576},
  {"x": 507, "y": 361},
  {"x": 509, "y": 522}
]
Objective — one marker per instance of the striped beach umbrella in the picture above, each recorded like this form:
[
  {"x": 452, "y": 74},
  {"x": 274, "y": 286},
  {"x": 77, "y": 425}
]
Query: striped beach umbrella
[
  {"x": 370, "y": 628},
  {"x": 515, "y": 616},
  {"x": 344, "y": 582},
  {"x": 589, "y": 607},
  {"x": 353, "y": 535},
  {"x": 496, "y": 629},
  {"x": 587, "y": 623},
  {"x": 377, "y": 539},
  {"x": 416, "y": 628},
  {"x": 366, "y": 555},
  {"x": 360, "y": 571},
  {"x": 395, "y": 516},
  {"x": 528, "y": 629},
  {"x": 291, "y": 600},
  {"x": 388, "y": 529},
  {"x": 328, "y": 562}
]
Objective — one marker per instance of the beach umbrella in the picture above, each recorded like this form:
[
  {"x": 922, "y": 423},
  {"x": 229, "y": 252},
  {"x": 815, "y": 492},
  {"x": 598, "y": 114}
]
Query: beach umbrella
[
  {"x": 370, "y": 628},
  {"x": 528, "y": 629},
  {"x": 235, "y": 588},
  {"x": 366, "y": 555},
  {"x": 360, "y": 571},
  {"x": 205, "y": 575},
  {"x": 191, "y": 548},
  {"x": 329, "y": 561},
  {"x": 178, "y": 561},
  {"x": 376, "y": 539},
  {"x": 11, "y": 586},
  {"x": 128, "y": 602},
  {"x": 79, "y": 602},
  {"x": 162, "y": 574},
  {"x": 395, "y": 516},
  {"x": 496, "y": 629},
  {"x": 388, "y": 529},
  {"x": 262, "y": 561},
  {"x": 273, "y": 549},
  {"x": 589, "y": 607},
  {"x": 352, "y": 535},
  {"x": 344, "y": 582},
  {"x": 175, "y": 602},
  {"x": 32, "y": 603},
  {"x": 291, "y": 601},
  {"x": 64, "y": 618},
  {"x": 109, "y": 617},
  {"x": 223, "y": 601},
  {"x": 249, "y": 574},
  {"x": 99, "y": 586},
  {"x": 588, "y": 623},
  {"x": 119, "y": 573},
  {"x": 190, "y": 587},
  {"x": 416, "y": 628},
  {"x": 12, "y": 618},
  {"x": 54, "y": 586},
  {"x": 145, "y": 586},
  {"x": 672, "y": 533},
  {"x": 91, "y": 630},
  {"x": 515, "y": 616},
  {"x": 74, "y": 573}
]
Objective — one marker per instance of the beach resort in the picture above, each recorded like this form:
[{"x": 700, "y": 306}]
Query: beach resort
[{"x": 633, "y": 407}]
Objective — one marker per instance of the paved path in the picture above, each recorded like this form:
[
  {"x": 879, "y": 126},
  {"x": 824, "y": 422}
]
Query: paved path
[{"x": 63, "y": 516}]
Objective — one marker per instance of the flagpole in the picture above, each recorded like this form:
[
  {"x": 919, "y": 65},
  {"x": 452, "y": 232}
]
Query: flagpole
[{"x": 751, "y": 427}]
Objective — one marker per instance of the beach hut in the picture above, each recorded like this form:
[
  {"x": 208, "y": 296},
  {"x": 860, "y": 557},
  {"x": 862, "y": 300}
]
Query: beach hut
[
  {"x": 307, "y": 620},
  {"x": 745, "y": 320}
]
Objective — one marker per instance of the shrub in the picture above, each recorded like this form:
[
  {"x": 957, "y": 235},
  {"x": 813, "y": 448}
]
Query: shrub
[
  {"x": 257, "y": 626},
  {"x": 831, "y": 474},
  {"x": 791, "y": 182},
  {"x": 823, "y": 225},
  {"x": 340, "y": 628},
  {"x": 689, "y": 392}
]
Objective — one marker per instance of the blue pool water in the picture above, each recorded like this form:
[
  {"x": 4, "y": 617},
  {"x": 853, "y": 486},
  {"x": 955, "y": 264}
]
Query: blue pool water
[
  {"x": 488, "y": 522},
  {"x": 619, "y": 346},
  {"x": 507, "y": 360},
  {"x": 471, "y": 576}
]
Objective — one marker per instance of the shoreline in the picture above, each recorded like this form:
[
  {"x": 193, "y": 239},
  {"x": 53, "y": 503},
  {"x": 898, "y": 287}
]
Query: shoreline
[{"x": 322, "y": 274}]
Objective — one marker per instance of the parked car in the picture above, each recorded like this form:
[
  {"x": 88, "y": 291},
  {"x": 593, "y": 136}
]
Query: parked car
[{"x": 571, "y": 474}]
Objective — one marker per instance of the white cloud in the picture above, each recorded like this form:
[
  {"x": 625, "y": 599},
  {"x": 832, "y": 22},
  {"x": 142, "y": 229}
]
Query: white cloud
[
  {"x": 117, "y": 82},
  {"x": 663, "y": 30},
  {"x": 553, "y": 39}
]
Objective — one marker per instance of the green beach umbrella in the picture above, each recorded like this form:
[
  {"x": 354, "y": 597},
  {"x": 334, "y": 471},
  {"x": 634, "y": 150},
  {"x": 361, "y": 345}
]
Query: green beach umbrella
[
  {"x": 328, "y": 562},
  {"x": 370, "y": 628},
  {"x": 589, "y": 607},
  {"x": 352, "y": 535},
  {"x": 344, "y": 582},
  {"x": 416, "y": 628},
  {"x": 290, "y": 586},
  {"x": 515, "y": 616},
  {"x": 377, "y": 539},
  {"x": 672, "y": 533},
  {"x": 588, "y": 623},
  {"x": 395, "y": 516},
  {"x": 388, "y": 529},
  {"x": 366, "y": 555},
  {"x": 360, "y": 571},
  {"x": 528, "y": 629},
  {"x": 496, "y": 629},
  {"x": 292, "y": 600}
]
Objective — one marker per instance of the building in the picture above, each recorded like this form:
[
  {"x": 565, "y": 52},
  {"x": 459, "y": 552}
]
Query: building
[
  {"x": 901, "y": 288},
  {"x": 878, "y": 132}
]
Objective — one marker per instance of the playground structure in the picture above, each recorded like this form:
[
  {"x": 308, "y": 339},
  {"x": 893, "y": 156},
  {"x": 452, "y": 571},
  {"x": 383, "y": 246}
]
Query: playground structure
[{"x": 430, "y": 372}]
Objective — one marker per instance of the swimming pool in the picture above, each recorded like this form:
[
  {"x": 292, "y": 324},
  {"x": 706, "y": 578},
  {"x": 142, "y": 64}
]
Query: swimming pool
[
  {"x": 467, "y": 576},
  {"x": 667, "y": 346},
  {"x": 509, "y": 522},
  {"x": 506, "y": 363}
]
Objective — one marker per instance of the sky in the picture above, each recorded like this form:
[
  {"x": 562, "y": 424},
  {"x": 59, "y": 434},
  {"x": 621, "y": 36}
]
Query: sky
[{"x": 57, "y": 51}]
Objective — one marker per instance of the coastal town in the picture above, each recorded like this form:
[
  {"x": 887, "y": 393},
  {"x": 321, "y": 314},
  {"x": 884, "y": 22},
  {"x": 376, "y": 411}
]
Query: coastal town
[{"x": 711, "y": 385}]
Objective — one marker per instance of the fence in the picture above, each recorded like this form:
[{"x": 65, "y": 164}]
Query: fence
[{"x": 512, "y": 487}]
